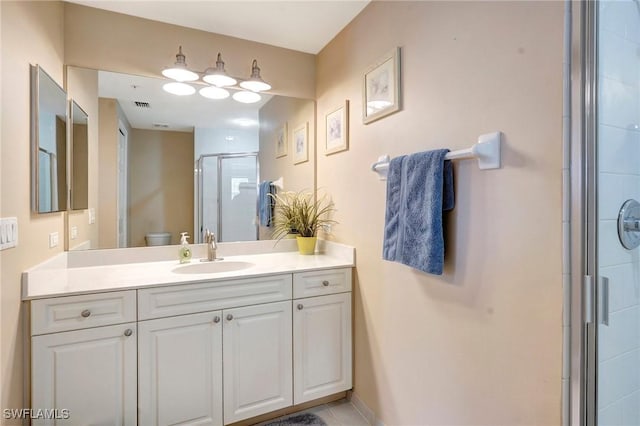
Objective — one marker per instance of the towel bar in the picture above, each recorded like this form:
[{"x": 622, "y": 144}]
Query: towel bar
[
  {"x": 487, "y": 151},
  {"x": 278, "y": 183}
]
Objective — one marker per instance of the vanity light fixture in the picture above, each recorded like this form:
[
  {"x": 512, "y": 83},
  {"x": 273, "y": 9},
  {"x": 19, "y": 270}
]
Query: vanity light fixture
[
  {"x": 218, "y": 76},
  {"x": 179, "y": 71},
  {"x": 246, "y": 97},
  {"x": 179, "y": 88},
  {"x": 213, "y": 92},
  {"x": 255, "y": 82},
  {"x": 217, "y": 79}
]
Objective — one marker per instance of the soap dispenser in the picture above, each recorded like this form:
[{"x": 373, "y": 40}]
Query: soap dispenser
[{"x": 185, "y": 251}]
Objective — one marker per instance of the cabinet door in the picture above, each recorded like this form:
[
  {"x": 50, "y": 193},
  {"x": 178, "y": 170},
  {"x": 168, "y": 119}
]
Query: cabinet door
[
  {"x": 322, "y": 349},
  {"x": 180, "y": 370},
  {"x": 91, "y": 373},
  {"x": 257, "y": 360}
]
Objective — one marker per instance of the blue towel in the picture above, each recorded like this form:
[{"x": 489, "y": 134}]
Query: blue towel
[
  {"x": 419, "y": 189},
  {"x": 266, "y": 203}
]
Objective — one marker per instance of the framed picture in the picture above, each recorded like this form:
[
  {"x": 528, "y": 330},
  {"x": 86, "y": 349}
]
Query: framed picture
[
  {"x": 382, "y": 88},
  {"x": 301, "y": 144},
  {"x": 282, "y": 146},
  {"x": 337, "y": 130}
]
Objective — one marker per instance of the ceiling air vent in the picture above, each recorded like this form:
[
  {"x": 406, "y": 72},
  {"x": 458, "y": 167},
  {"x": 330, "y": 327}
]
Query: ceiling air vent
[
  {"x": 142, "y": 104},
  {"x": 161, "y": 125}
]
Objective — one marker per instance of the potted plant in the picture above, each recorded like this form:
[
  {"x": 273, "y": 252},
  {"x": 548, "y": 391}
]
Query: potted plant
[{"x": 301, "y": 214}]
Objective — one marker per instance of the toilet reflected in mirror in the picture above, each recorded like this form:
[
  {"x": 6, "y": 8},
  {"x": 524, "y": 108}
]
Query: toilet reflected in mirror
[{"x": 158, "y": 239}]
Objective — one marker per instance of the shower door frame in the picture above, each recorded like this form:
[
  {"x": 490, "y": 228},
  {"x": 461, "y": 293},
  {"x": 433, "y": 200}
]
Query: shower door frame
[
  {"x": 199, "y": 184},
  {"x": 580, "y": 353}
]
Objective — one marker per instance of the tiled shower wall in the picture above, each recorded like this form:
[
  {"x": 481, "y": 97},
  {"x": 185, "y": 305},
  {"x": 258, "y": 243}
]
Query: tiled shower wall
[{"x": 619, "y": 180}]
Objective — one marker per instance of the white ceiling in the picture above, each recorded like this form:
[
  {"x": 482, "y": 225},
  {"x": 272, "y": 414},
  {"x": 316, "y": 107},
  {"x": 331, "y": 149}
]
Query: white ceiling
[
  {"x": 180, "y": 113},
  {"x": 303, "y": 25}
]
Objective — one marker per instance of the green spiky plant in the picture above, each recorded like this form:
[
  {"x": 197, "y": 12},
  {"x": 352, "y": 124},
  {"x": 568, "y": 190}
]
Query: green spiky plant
[{"x": 299, "y": 213}]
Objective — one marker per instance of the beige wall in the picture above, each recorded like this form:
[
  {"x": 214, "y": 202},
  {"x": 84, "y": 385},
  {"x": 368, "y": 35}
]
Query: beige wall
[
  {"x": 41, "y": 24},
  {"x": 160, "y": 184},
  {"x": 480, "y": 345},
  {"x": 296, "y": 177},
  {"x": 145, "y": 47},
  {"x": 82, "y": 86}
]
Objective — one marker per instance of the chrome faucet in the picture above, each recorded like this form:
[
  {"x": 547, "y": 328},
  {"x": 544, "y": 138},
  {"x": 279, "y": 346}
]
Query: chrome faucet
[{"x": 210, "y": 240}]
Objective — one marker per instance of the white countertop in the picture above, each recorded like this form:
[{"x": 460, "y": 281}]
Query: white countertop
[{"x": 58, "y": 280}]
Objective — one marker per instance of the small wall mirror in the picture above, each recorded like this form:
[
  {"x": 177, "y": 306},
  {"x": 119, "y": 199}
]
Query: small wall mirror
[
  {"x": 79, "y": 133},
  {"x": 49, "y": 143}
]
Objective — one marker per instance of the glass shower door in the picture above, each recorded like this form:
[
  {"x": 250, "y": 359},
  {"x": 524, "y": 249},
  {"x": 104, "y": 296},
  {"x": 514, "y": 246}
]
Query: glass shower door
[
  {"x": 617, "y": 174},
  {"x": 238, "y": 198},
  {"x": 227, "y": 196}
]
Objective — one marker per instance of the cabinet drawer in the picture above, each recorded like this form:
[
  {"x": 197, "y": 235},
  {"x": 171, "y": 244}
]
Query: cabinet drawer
[
  {"x": 191, "y": 298},
  {"x": 317, "y": 283},
  {"x": 85, "y": 311}
]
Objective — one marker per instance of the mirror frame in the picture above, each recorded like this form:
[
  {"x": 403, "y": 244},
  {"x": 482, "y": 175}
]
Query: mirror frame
[
  {"x": 71, "y": 152},
  {"x": 36, "y": 73}
]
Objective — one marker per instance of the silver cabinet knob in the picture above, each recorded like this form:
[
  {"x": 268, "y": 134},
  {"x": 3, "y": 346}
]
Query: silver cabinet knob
[
  {"x": 128, "y": 332},
  {"x": 85, "y": 313},
  {"x": 325, "y": 283},
  {"x": 229, "y": 317},
  {"x": 300, "y": 306},
  {"x": 216, "y": 319}
]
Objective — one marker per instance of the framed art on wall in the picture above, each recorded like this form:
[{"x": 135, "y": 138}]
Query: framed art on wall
[
  {"x": 282, "y": 147},
  {"x": 301, "y": 144},
  {"x": 337, "y": 130},
  {"x": 381, "y": 91}
]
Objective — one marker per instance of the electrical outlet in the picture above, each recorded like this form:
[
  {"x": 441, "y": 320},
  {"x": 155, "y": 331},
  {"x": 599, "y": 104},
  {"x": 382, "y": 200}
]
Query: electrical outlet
[
  {"x": 8, "y": 232},
  {"x": 53, "y": 239},
  {"x": 74, "y": 232}
]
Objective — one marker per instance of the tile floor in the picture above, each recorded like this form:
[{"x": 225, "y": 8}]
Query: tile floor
[{"x": 338, "y": 413}]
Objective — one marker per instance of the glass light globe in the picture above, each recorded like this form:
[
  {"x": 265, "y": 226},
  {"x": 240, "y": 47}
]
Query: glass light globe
[
  {"x": 180, "y": 89},
  {"x": 212, "y": 92},
  {"x": 246, "y": 97}
]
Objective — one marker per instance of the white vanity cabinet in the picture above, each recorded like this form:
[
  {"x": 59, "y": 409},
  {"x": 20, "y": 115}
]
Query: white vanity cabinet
[
  {"x": 257, "y": 360},
  {"x": 203, "y": 353},
  {"x": 180, "y": 370},
  {"x": 321, "y": 334},
  {"x": 90, "y": 371}
]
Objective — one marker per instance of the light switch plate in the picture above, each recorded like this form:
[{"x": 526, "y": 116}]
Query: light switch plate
[
  {"x": 92, "y": 216},
  {"x": 74, "y": 232},
  {"x": 8, "y": 232},
  {"x": 53, "y": 239}
]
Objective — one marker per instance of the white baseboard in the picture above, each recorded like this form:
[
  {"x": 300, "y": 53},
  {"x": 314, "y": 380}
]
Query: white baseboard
[{"x": 366, "y": 412}]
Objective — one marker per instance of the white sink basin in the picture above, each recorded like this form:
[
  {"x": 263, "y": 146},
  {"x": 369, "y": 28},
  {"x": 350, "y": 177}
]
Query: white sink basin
[{"x": 212, "y": 267}]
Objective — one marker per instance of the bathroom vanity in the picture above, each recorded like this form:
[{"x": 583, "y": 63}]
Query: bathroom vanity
[{"x": 158, "y": 343}]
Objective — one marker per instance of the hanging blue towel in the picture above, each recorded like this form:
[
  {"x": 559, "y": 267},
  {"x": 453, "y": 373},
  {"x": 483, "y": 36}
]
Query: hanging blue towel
[
  {"x": 266, "y": 203},
  {"x": 419, "y": 189}
]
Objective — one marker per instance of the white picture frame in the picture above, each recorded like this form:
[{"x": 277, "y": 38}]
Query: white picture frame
[
  {"x": 337, "y": 129},
  {"x": 281, "y": 141},
  {"x": 381, "y": 90},
  {"x": 301, "y": 143}
]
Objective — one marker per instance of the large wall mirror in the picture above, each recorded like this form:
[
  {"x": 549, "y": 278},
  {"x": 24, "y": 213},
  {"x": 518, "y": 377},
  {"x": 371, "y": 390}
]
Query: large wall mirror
[
  {"x": 164, "y": 164},
  {"x": 48, "y": 143}
]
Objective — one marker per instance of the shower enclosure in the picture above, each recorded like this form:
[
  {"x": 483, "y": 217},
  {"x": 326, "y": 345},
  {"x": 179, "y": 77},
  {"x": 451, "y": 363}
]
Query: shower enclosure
[
  {"x": 226, "y": 196},
  {"x": 611, "y": 214}
]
